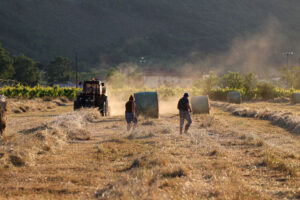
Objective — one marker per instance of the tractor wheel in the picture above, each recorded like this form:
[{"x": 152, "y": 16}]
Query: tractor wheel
[
  {"x": 77, "y": 105},
  {"x": 106, "y": 108}
]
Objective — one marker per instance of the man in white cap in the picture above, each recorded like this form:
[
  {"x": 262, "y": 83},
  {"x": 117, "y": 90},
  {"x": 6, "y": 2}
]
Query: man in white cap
[{"x": 184, "y": 112}]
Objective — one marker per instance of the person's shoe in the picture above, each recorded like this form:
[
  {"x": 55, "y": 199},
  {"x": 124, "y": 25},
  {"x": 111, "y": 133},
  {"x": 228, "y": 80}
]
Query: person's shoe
[{"x": 186, "y": 128}]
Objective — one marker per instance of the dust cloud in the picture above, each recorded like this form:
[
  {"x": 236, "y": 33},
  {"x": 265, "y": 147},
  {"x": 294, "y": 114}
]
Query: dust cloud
[
  {"x": 260, "y": 53},
  {"x": 116, "y": 106},
  {"x": 166, "y": 106}
]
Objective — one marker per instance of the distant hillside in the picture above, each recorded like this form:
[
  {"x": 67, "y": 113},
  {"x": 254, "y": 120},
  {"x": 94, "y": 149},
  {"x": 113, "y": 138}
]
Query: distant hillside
[{"x": 108, "y": 32}]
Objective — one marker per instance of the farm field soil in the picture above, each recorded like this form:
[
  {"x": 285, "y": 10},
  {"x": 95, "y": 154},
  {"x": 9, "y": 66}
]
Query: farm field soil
[{"x": 223, "y": 157}]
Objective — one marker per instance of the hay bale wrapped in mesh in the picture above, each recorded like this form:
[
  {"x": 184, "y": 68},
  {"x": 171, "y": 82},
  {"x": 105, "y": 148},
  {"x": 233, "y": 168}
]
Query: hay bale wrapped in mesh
[
  {"x": 295, "y": 98},
  {"x": 234, "y": 97},
  {"x": 200, "y": 104},
  {"x": 3, "y": 109},
  {"x": 147, "y": 104}
]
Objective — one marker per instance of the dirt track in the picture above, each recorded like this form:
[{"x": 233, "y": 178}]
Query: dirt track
[{"x": 224, "y": 157}]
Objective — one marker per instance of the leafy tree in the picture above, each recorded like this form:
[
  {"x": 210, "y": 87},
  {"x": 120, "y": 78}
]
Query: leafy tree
[
  {"x": 250, "y": 81},
  {"x": 208, "y": 82},
  {"x": 83, "y": 67},
  {"x": 233, "y": 80},
  {"x": 110, "y": 73},
  {"x": 58, "y": 70},
  {"x": 117, "y": 80},
  {"x": 290, "y": 75},
  {"x": 26, "y": 70},
  {"x": 6, "y": 65}
]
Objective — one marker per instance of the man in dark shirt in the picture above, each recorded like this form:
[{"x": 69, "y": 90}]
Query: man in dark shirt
[
  {"x": 130, "y": 113},
  {"x": 184, "y": 112}
]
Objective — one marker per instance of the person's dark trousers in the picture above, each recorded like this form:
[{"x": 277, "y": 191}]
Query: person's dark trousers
[{"x": 185, "y": 115}]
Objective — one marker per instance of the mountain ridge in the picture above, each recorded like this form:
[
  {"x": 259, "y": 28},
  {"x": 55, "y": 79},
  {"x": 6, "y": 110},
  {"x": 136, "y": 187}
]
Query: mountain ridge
[{"x": 110, "y": 32}]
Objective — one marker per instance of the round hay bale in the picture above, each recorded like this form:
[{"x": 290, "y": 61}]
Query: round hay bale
[
  {"x": 3, "y": 109},
  {"x": 295, "y": 98},
  {"x": 200, "y": 104},
  {"x": 234, "y": 97},
  {"x": 147, "y": 104}
]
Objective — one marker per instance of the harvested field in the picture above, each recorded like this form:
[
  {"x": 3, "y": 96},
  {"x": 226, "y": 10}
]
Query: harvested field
[
  {"x": 89, "y": 157},
  {"x": 285, "y": 115},
  {"x": 25, "y": 144},
  {"x": 19, "y": 106}
]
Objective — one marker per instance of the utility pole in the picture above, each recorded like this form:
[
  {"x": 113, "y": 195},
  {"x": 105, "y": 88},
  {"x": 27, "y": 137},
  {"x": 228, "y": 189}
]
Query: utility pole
[
  {"x": 76, "y": 68},
  {"x": 287, "y": 54}
]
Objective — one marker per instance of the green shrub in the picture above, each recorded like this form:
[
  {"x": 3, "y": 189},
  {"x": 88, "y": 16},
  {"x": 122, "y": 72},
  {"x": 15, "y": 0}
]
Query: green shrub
[
  {"x": 207, "y": 83},
  {"x": 266, "y": 90}
]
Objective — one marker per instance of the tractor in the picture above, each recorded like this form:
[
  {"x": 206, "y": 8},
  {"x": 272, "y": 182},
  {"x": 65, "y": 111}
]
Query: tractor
[{"x": 92, "y": 96}]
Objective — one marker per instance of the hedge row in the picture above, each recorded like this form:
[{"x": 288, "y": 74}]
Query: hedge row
[
  {"x": 163, "y": 92},
  {"x": 215, "y": 94},
  {"x": 252, "y": 94}
]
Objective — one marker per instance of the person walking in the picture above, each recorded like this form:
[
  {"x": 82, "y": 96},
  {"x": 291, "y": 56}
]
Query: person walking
[
  {"x": 130, "y": 113},
  {"x": 184, "y": 112}
]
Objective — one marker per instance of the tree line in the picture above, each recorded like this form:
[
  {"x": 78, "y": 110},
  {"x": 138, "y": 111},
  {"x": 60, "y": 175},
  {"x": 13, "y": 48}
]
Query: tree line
[
  {"x": 289, "y": 78},
  {"x": 249, "y": 84},
  {"x": 29, "y": 72}
]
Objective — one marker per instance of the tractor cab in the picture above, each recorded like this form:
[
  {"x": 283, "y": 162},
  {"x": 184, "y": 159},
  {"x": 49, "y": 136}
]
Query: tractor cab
[
  {"x": 93, "y": 87},
  {"x": 92, "y": 95}
]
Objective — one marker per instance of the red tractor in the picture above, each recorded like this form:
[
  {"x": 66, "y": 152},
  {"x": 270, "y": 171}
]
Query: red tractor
[{"x": 92, "y": 96}]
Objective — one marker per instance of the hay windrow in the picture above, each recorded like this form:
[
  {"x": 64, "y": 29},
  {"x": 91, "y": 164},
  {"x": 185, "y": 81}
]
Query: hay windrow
[
  {"x": 286, "y": 120},
  {"x": 23, "y": 147},
  {"x": 93, "y": 117},
  {"x": 281, "y": 100}
]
